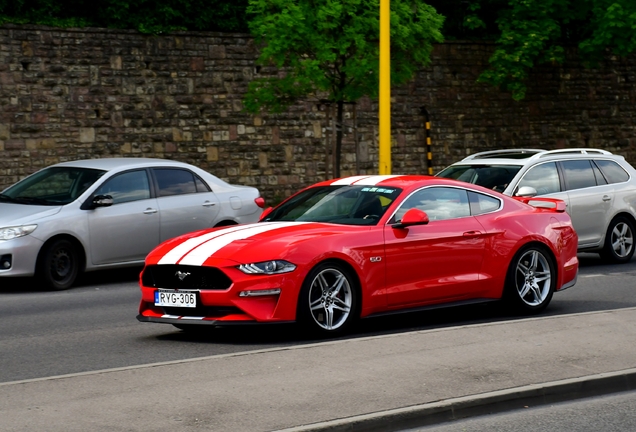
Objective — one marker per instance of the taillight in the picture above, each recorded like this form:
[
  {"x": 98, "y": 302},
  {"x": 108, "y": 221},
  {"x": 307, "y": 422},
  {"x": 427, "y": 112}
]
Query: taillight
[{"x": 260, "y": 201}]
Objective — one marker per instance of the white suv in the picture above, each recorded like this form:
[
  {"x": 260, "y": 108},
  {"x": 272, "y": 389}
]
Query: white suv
[{"x": 598, "y": 187}]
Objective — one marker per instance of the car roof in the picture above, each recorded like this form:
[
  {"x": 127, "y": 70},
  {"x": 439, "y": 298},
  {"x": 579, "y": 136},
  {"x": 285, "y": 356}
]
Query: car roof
[
  {"x": 109, "y": 164},
  {"x": 525, "y": 156}
]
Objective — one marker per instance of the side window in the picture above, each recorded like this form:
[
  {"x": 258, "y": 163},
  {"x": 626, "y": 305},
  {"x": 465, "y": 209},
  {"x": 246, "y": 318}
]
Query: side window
[
  {"x": 544, "y": 178},
  {"x": 600, "y": 179},
  {"x": 480, "y": 203},
  {"x": 201, "y": 185},
  {"x": 578, "y": 174},
  {"x": 172, "y": 181},
  {"x": 612, "y": 171},
  {"x": 126, "y": 187},
  {"x": 439, "y": 203}
]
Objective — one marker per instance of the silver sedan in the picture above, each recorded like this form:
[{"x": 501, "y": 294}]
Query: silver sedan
[{"x": 106, "y": 213}]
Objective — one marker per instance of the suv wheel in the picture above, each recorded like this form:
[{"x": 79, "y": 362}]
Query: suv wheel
[{"x": 619, "y": 241}]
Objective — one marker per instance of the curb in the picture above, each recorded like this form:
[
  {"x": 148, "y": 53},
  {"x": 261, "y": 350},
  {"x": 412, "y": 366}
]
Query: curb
[{"x": 481, "y": 404}]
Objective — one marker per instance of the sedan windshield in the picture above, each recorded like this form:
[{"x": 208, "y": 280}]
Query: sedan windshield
[
  {"x": 347, "y": 205},
  {"x": 495, "y": 177},
  {"x": 52, "y": 186}
]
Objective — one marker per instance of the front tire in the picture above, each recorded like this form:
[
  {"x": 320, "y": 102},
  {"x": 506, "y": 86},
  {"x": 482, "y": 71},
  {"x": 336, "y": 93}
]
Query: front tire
[
  {"x": 619, "y": 241},
  {"x": 59, "y": 265},
  {"x": 531, "y": 280},
  {"x": 328, "y": 301}
]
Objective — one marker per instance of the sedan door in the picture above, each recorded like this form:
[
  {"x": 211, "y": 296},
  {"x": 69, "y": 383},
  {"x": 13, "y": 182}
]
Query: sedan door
[
  {"x": 129, "y": 229},
  {"x": 185, "y": 201},
  {"x": 440, "y": 261}
]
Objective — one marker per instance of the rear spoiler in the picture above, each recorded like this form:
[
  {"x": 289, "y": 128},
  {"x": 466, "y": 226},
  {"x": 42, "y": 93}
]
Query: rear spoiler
[{"x": 552, "y": 204}]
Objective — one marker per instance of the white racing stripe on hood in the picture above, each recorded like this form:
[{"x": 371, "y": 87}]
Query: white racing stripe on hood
[
  {"x": 175, "y": 254},
  {"x": 363, "y": 180},
  {"x": 200, "y": 254},
  {"x": 348, "y": 180},
  {"x": 374, "y": 180}
]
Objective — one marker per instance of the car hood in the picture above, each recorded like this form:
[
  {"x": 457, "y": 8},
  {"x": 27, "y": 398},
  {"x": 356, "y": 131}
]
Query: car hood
[
  {"x": 19, "y": 214},
  {"x": 250, "y": 242}
]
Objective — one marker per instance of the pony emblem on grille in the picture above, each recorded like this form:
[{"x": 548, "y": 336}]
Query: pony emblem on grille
[{"x": 182, "y": 275}]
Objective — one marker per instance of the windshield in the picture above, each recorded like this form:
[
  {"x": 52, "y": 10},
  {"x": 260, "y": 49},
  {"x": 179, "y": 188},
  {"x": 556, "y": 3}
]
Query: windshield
[
  {"x": 495, "y": 177},
  {"x": 52, "y": 186},
  {"x": 347, "y": 205}
]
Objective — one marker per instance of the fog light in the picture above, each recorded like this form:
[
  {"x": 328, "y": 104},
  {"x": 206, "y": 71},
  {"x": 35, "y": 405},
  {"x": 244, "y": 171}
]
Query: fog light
[
  {"x": 5, "y": 262},
  {"x": 259, "y": 293}
]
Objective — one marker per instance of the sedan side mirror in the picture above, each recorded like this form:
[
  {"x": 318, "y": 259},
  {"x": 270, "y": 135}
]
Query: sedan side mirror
[
  {"x": 102, "y": 201},
  {"x": 412, "y": 217},
  {"x": 526, "y": 191}
]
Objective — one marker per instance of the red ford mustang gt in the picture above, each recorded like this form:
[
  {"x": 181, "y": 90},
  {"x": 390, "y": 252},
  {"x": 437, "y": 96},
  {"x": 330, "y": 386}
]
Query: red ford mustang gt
[{"x": 360, "y": 246}]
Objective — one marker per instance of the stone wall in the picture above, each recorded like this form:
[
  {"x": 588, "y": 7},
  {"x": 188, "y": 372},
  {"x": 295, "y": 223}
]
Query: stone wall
[{"x": 92, "y": 93}]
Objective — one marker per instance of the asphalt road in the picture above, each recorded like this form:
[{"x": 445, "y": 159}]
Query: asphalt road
[{"x": 93, "y": 325}]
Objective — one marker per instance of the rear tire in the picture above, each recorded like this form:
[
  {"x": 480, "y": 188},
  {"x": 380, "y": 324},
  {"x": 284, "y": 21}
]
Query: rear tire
[
  {"x": 59, "y": 265},
  {"x": 531, "y": 280},
  {"x": 328, "y": 301},
  {"x": 619, "y": 241}
]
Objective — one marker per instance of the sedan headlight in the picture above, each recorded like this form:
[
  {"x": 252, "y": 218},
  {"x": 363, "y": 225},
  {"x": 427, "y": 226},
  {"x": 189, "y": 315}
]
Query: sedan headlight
[
  {"x": 10, "y": 233},
  {"x": 268, "y": 267}
]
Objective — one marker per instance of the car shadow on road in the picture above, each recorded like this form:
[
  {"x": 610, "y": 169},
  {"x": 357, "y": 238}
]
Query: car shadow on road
[{"x": 282, "y": 334}]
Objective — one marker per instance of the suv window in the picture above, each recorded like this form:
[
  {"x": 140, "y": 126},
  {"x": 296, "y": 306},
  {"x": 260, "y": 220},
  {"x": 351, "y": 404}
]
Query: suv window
[
  {"x": 578, "y": 174},
  {"x": 612, "y": 171},
  {"x": 495, "y": 177},
  {"x": 544, "y": 178},
  {"x": 173, "y": 181}
]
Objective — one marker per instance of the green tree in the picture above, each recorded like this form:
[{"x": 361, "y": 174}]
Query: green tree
[
  {"x": 147, "y": 16},
  {"x": 532, "y": 32},
  {"x": 331, "y": 48}
]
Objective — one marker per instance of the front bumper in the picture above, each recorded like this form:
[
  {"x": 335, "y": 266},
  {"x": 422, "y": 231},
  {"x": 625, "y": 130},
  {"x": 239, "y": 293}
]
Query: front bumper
[
  {"x": 224, "y": 305},
  {"x": 22, "y": 253}
]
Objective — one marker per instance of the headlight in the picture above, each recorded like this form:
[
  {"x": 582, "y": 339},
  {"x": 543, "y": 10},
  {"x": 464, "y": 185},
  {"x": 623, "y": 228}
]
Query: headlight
[
  {"x": 267, "y": 267},
  {"x": 9, "y": 233}
]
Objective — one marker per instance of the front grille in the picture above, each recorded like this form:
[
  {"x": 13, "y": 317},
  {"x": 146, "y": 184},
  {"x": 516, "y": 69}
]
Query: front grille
[{"x": 192, "y": 277}]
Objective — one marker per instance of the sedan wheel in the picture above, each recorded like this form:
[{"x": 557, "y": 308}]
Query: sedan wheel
[
  {"x": 531, "y": 280},
  {"x": 619, "y": 241},
  {"x": 328, "y": 300},
  {"x": 60, "y": 265}
]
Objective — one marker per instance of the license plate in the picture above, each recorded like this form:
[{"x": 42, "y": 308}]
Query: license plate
[{"x": 174, "y": 298}]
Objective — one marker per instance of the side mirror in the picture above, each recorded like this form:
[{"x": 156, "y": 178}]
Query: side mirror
[
  {"x": 412, "y": 217},
  {"x": 526, "y": 191},
  {"x": 267, "y": 211},
  {"x": 102, "y": 201}
]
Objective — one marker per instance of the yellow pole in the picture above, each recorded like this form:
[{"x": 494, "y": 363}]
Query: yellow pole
[{"x": 384, "y": 156}]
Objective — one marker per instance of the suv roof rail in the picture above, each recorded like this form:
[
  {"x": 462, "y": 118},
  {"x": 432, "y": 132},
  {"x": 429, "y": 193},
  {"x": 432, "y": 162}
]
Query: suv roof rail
[
  {"x": 504, "y": 153},
  {"x": 571, "y": 151}
]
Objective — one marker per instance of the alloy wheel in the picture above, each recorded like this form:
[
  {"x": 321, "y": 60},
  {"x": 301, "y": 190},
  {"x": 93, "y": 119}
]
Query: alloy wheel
[
  {"x": 533, "y": 278},
  {"x": 622, "y": 240},
  {"x": 330, "y": 299}
]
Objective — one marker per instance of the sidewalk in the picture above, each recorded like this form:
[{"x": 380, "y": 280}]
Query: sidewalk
[{"x": 372, "y": 383}]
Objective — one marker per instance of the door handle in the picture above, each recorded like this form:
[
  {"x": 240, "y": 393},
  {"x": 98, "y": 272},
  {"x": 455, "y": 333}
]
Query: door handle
[
  {"x": 606, "y": 197},
  {"x": 150, "y": 211},
  {"x": 472, "y": 233},
  {"x": 208, "y": 204}
]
